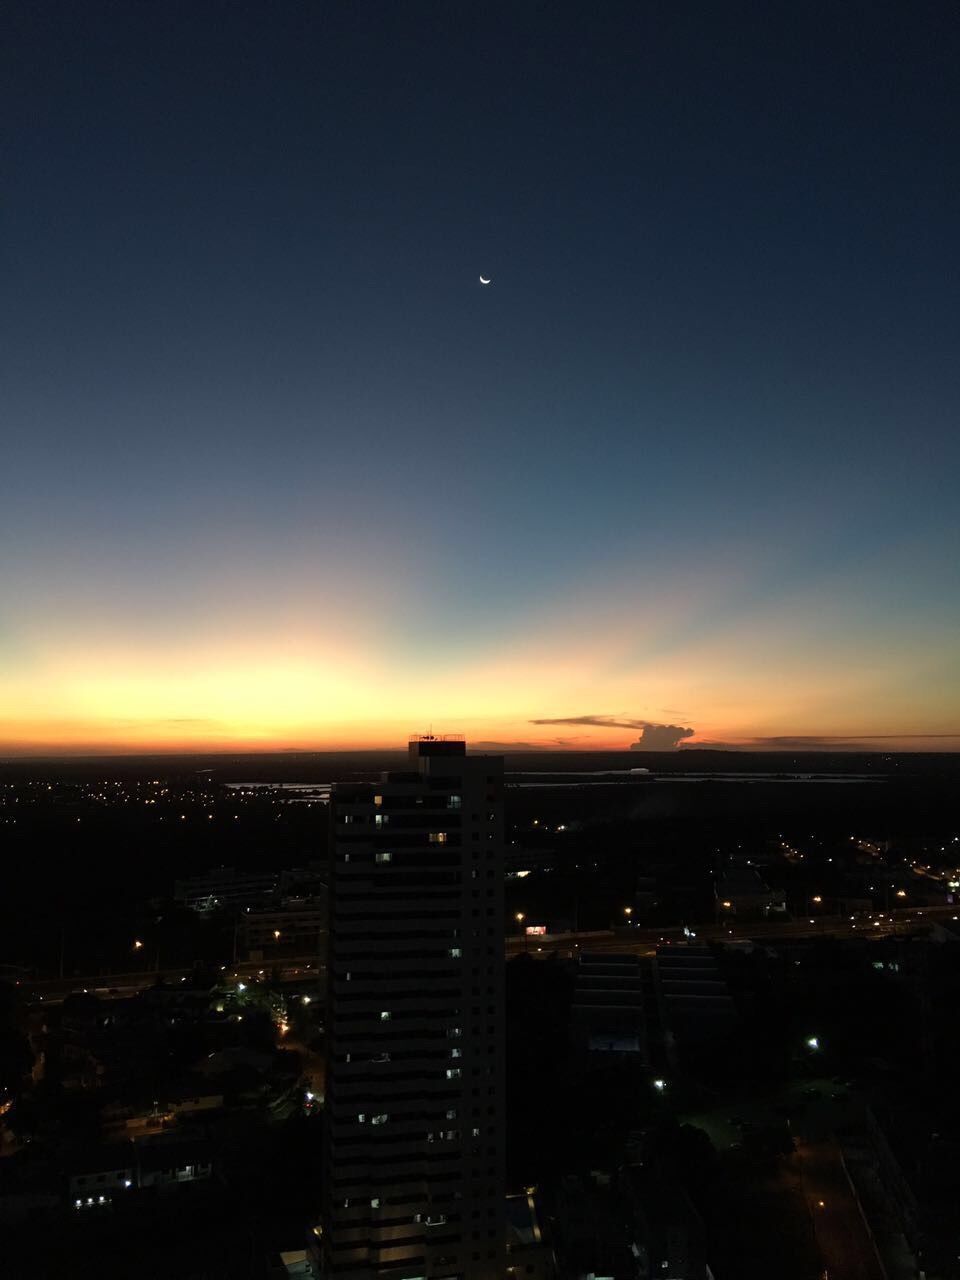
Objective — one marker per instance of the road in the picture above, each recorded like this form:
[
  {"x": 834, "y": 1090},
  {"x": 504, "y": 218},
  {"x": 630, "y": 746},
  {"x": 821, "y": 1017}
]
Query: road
[
  {"x": 642, "y": 941},
  {"x": 645, "y": 939},
  {"x": 843, "y": 1240},
  {"x": 116, "y": 985}
]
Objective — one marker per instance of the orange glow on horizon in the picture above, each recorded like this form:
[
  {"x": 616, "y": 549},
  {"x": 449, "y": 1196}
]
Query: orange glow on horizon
[{"x": 294, "y": 679}]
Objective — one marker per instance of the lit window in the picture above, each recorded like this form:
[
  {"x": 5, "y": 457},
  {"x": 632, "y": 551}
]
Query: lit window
[
  {"x": 382, "y": 1118},
  {"x": 361, "y": 1118},
  {"x": 375, "y": 1202},
  {"x": 381, "y": 819},
  {"x": 378, "y": 801},
  {"x": 454, "y": 802},
  {"x": 456, "y": 953},
  {"x": 385, "y": 1015},
  {"x": 455, "y": 1053},
  {"x": 384, "y": 857},
  {"x": 438, "y": 837},
  {"x": 452, "y": 1113},
  {"x": 453, "y": 1073}
]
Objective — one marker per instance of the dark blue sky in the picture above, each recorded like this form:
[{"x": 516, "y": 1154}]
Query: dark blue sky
[{"x": 247, "y": 366}]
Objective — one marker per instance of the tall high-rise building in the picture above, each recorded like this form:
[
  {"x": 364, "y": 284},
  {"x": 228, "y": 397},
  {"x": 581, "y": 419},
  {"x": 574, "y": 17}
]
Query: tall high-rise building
[{"x": 413, "y": 1169}]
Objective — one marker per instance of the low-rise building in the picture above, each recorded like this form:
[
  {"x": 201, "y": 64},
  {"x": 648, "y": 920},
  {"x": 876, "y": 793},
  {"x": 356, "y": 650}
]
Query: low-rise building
[
  {"x": 94, "y": 1177},
  {"x": 591, "y": 1231},
  {"x": 297, "y": 927},
  {"x": 529, "y": 1254},
  {"x": 607, "y": 1015},
  {"x": 226, "y": 888},
  {"x": 741, "y": 891},
  {"x": 165, "y": 1163},
  {"x": 694, "y": 998},
  {"x": 667, "y": 1234}
]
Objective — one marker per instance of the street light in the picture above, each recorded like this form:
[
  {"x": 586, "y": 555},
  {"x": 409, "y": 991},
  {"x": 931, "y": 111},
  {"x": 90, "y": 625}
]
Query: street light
[
  {"x": 813, "y": 1043},
  {"x": 660, "y": 1085},
  {"x": 276, "y": 935},
  {"x": 817, "y": 899},
  {"x": 519, "y": 917},
  {"x": 137, "y": 944}
]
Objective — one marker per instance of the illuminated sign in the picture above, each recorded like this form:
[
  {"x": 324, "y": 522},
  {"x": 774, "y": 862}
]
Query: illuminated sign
[{"x": 536, "y": 930}]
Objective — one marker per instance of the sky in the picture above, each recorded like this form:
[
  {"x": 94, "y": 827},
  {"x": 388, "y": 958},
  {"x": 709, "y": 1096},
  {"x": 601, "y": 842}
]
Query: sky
[{"x": 277, "y": 471}]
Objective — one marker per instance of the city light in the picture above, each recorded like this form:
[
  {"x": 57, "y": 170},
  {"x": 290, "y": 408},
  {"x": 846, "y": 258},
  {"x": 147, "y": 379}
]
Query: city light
[{"x": 813, "y": 1043}]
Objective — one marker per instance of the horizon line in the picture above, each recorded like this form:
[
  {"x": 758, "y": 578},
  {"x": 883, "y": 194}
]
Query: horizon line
[{"x": 796, "y": 748}]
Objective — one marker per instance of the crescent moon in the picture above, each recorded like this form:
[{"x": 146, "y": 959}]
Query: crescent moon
[{"x": 482, "y": 281}]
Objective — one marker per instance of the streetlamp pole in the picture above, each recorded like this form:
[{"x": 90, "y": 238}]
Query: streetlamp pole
[{"x": 520, "y": 919}]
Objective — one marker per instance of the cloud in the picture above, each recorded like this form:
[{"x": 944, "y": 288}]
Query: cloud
[
  {"x": 600, "y": 722},
  {"x": 653, "y": 736},
  {"x": 661, "y": 737}
]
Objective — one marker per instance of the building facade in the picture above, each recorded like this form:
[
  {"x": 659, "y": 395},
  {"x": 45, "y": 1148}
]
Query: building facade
[
  {"x": 413, "y": 1170},
  {"x": 296, "y": 928}
]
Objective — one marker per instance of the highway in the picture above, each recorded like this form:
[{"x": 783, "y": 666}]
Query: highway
[
  {"x": 645, "y": 939},
  {"x": 640, "y": 940},
  {"x": 117, "y": 985}
]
